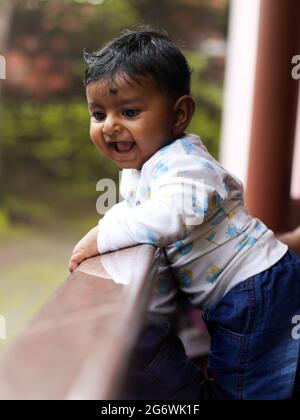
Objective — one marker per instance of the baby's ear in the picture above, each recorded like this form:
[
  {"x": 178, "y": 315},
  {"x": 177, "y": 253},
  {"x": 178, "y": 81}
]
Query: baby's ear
[{"x": 183, "y": 110}]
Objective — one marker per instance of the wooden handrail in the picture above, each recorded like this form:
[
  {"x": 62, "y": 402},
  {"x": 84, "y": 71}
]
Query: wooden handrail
[{"x": 79, "y": 345}]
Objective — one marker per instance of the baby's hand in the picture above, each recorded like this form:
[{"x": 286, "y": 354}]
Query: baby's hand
[{"x": 85, "y": 248}]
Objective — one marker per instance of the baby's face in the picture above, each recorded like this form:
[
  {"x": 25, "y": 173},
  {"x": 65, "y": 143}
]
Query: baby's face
[{"x": 129, "y": 121}]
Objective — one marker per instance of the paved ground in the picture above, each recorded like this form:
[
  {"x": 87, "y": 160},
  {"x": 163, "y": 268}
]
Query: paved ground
[{"x": 32, "y": 265}]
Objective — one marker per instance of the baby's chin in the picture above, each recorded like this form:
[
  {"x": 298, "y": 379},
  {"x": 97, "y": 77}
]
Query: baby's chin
[{"x": 131, "y": 164}]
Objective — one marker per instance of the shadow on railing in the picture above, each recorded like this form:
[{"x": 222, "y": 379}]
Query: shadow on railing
[{"x": 79, "y": 345}]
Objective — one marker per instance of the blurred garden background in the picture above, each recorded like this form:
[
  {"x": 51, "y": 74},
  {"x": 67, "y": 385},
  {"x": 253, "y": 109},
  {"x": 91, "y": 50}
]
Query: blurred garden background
[{"x": 48, "y": 166}]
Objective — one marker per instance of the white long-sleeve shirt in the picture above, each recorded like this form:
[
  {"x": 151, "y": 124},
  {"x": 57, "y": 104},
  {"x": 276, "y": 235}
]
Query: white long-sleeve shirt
[{"x": 185, "y": 203}]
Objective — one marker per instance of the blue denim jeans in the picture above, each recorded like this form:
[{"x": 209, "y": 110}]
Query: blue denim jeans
[{"x": 254, "y": 354}]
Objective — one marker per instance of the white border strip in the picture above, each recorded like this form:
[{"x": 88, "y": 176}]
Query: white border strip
[{"x": 239, "y": 86}]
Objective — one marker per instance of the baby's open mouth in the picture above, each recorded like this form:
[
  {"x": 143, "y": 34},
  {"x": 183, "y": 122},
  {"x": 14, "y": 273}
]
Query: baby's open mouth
[{"x": 123, "y": 146}]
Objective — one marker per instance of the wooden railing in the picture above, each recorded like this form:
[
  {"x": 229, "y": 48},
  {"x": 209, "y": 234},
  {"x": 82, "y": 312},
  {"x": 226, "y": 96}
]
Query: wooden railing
[{"x": 79, "y": 345}]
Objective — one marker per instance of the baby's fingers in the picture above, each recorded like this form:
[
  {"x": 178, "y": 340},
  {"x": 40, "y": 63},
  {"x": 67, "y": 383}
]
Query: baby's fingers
[{"x": 75, "y": 260}]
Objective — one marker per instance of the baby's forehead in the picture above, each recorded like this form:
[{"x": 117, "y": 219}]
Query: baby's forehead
[
  {"x": 121, "y": 88},
  {"x": 116, "y": 85},
  {"x": 125, "y": 83}
]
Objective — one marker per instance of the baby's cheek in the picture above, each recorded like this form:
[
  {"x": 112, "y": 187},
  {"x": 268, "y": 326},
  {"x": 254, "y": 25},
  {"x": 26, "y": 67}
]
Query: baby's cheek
[
  {"x": 95, "y": 131},
  {"x": 93, "y": 134},
  {"x": 97, "y": 140}
]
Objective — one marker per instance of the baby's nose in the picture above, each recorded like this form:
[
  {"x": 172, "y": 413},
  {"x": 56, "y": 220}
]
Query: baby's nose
[{"x": 111, "y": 126}]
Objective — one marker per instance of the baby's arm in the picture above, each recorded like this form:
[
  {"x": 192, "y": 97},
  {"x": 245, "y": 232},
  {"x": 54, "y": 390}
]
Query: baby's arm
[
  {"x": 175, "y": 205},
  {"x": 85, "y": 248}
]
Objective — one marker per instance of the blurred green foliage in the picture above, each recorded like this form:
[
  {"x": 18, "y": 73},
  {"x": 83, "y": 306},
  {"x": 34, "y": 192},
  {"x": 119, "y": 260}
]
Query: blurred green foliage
[
  {"x": 51, "y": 141},
  {"x": 208, "y": 94},
  {"x": 47, "y": 151}
]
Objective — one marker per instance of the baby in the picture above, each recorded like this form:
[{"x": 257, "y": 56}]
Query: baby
[{"x": 178, "y": 198}]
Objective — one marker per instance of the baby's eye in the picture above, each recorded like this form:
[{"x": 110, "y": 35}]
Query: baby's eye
[
  {"x": 130, "y": 112},
  {"x": 99, "y": 116}
]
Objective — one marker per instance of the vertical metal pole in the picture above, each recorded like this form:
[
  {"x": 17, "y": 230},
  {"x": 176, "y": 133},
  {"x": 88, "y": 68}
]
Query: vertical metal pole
[{"x": 274, "y": 113}]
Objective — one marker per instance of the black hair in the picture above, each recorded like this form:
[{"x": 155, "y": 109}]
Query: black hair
[{"x": 141, "y": 52}]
